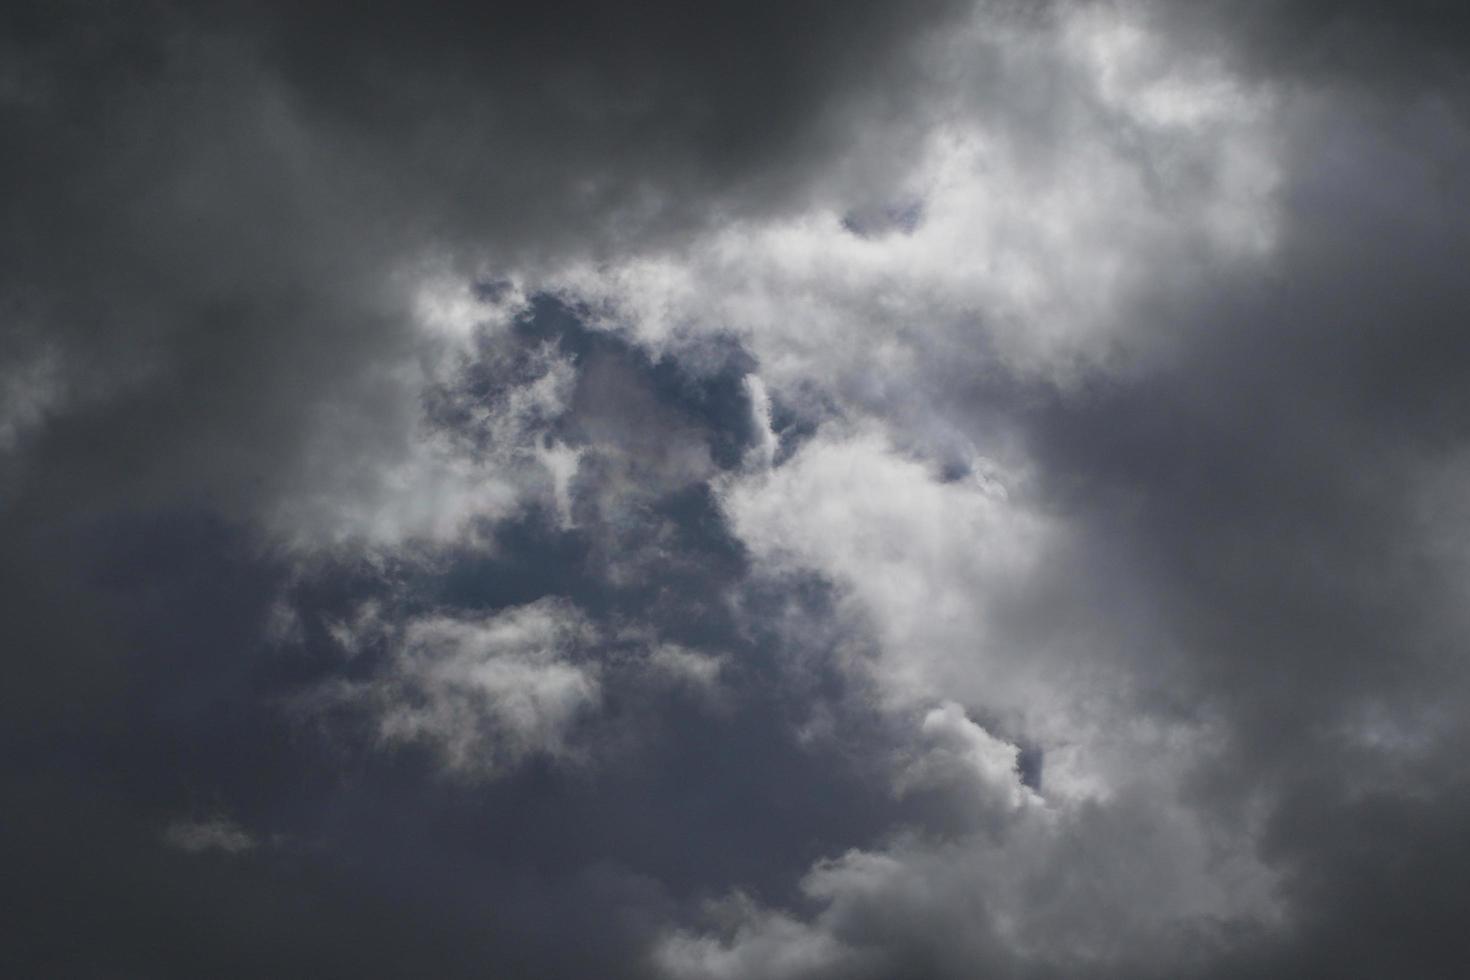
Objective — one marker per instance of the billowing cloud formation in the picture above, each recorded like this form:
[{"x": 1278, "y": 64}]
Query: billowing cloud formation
[
  {"x": 1058, "y": 171},
  {"x": 920, "y": 553},
  {"x": 1017, "y": 893},
  {"x": 784, "y": 490}
]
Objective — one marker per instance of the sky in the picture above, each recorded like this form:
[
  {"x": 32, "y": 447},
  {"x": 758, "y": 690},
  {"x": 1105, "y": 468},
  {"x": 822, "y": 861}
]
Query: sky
[{"x": 752, "y": 490}]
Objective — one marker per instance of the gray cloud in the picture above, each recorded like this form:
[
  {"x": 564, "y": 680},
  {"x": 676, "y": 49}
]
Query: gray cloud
[
  {"x": 227, "y": 212},
  {"x": 217, "y": 833},
  {"x": 865, "y": 490}
]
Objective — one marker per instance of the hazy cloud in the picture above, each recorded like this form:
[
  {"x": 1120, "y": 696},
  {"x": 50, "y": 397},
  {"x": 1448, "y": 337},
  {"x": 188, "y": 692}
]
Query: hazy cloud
[
  {"x": 214, "y": 834},
  {"x": 483, "y": 693}
]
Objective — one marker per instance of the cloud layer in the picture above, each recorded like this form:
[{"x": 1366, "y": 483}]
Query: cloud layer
[{"x": 757, "y": 490}]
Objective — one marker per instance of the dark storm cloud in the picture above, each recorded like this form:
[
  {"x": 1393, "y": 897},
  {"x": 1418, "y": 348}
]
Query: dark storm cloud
[
  {"x": 214, "y": 202},
  {"x": 1361, "y": 44},
  {"x": 157, "y": 753},
  {"x": 204, "y": 215},
  {"x": 216, "y": 224}
]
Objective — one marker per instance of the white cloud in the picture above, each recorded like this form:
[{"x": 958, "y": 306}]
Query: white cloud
[
  {"x": 954, "y": 583},
  {"x": 956, "y": 749},
  {"x": 1054, "y": 884},
  {"x": 920, "y": 557},
  {"x": 455, "y": 317},
  {"x": 484, "y": 692},
  {"x": 395, "y": 479},
  {"x": 932, "y": 566},
  {"x": 763, "y": 944},
  {"x": 562, "y": 462},
  {"x": 1026, "y": 255},
  {"x": 691, "y": 667},
  {"x": 767, "y": 442}
]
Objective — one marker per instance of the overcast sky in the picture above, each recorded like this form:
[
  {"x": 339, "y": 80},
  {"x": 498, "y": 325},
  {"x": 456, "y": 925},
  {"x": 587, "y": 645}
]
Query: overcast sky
[{"x": 754, "y": 490}]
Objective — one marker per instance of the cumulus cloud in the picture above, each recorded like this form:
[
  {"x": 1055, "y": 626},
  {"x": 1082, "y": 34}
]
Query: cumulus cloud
[
  {"x": 959, "y": 750},
  {"x": 766, "y": 944},
  {"x": 920, "y": 556},
  {"x": 1015, "y": 889},
  {"x": 1021, "y": 255}
]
